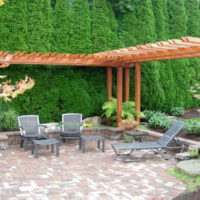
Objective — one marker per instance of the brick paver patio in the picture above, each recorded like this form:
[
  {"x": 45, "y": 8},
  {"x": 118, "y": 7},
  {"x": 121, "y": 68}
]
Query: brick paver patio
[{"x": 90, "y": 176}]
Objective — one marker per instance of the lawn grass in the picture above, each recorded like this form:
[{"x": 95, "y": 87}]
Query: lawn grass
[
  {"x": 191, "y": 182},
  {"x": 195, "y": 119},
  {"x": 143, "y": 127}
]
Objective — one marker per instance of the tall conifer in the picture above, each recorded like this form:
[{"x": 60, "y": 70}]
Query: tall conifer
[
  {"x": 61, "y": 24},
  {"x": 193, "y": 29},
  {"x": 178, "y": 29},
  {"x": 144, "y": 32},
  {"x": 165, "y": 70},
  {"x": 127, "y": 27},
  {"x": 17, "y": 25},
  {"x": 39, "y": 25},
  {"x": 115, "y": 42},
  {"x": 80, "y": 30},
  {"x": 102, "y": 27},
  {"x": 4, "y": 29},
  {"x": 193, "y": 15}
]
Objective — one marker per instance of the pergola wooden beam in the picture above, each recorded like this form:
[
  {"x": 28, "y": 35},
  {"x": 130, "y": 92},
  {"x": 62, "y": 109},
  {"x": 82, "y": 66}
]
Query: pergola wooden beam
[{"x": 186, "y": 47}]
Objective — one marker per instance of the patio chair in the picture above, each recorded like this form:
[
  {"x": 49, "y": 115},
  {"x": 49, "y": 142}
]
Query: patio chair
[
  {"x": 156, "y": 147},
  {"x": 29, "y": 126},
  {"x": 71, "y": 126}
]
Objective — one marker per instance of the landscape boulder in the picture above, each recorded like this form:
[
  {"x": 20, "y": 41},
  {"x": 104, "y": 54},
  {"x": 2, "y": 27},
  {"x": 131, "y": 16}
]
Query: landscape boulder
[
  {"x": 190, "y": 167},
  {"x": 93, "y": 120}
]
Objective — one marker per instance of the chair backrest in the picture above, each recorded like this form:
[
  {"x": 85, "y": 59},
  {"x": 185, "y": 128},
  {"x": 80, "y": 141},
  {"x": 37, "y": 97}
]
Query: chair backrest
[
  {"x": 171, "y": 133},
  {"x": 72, "y": 122},
  {"x": 29, "y": 124}
]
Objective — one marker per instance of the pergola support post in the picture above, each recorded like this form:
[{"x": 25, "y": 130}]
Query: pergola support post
[
  {"x": 126, "y": 84},
  {"x": 119, "y": 94},
  {"x": 109, "y": 82},
  {"x": 138, "y": 89}
]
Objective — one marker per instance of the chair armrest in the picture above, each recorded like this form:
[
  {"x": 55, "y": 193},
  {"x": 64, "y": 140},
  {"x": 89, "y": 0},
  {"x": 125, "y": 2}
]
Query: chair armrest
[
  {"x": 21, "y": 127},
  {"x": 22, "y": 130}
]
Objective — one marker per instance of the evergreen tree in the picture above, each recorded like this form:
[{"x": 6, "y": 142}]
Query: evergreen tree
[
  {"x": 127, "y": 27},
  {"x": 144, "y": 32},
  {"x": 102, "y": 27},
  {"x": 178, "y": 29},
  {"x": 165, "y": 70},
  {"x": 4, "y": 29},
  {"x": 177, "y": 19},
  {"x": 115, "y": 42},
  {"x": 60, "y": 37},
  {"x": 193, "y": 15},
  {"x": 193, "y": 29},
  {"x": 39, "y": 25},
  {"x": 80, "y": 30},
  {"x": 17, "y": 25}
]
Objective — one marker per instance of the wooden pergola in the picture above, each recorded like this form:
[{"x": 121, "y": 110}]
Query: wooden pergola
[{"x": 122, "y": 59}]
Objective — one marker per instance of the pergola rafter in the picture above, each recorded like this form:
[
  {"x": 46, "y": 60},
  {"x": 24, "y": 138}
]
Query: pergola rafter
[{"x": 186, "y": 47}]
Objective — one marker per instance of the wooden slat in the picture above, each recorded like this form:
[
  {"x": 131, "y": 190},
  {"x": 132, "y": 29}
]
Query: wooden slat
[{"x": 191, "y": 39}]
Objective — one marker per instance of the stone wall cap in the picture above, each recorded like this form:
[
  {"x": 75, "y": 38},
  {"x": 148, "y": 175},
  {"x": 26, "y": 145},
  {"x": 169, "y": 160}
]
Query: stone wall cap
[{"x": 3, "y": 137}]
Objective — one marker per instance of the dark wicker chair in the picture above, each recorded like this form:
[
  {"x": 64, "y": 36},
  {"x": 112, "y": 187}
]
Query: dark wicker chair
[{"x": 157, "y": 147}]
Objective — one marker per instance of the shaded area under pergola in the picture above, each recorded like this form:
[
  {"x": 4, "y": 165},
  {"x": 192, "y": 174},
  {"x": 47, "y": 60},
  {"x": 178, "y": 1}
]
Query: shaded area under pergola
[{"x": 123, "y": 59}]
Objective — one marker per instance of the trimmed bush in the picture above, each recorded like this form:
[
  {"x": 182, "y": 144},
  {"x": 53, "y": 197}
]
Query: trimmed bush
[
  {"x": 160, "y": 120},
  {"x": 149, "y": 113},
  {"x": 192, "y": 127},
  {"x": 177, "y": 111}
]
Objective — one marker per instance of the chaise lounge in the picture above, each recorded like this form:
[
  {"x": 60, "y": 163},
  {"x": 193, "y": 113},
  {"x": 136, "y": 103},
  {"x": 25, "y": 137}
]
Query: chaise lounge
[{"x": 156, "y": 147}]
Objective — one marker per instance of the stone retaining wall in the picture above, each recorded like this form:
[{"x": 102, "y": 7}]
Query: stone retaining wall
[{"x": 14, "y": 138}]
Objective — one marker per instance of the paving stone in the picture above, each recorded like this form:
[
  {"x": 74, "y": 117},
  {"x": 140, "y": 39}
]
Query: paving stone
[{"x": 77, "y": 176}]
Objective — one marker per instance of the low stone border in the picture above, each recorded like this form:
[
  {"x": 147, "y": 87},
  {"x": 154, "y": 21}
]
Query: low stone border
[
  {"x": 14, "y": 138},
  {"x": 112, "y": 133}
]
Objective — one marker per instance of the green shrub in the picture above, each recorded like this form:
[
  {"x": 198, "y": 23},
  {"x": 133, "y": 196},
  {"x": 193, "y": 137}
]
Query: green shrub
[
  {"x": 177, "y": 111},
  {"x": 8, "y": 120},
  {"x": 192, "y": 127},
  {"x": 160, "y": 120},
  {"x": 149, "y": 113}
]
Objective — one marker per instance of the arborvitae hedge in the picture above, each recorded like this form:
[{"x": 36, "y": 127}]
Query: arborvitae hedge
[
  {"x": 127, "y": 28},
  {"x": 80, "y": 30},
  {"x": 39, "y": 26},
  {"x": 103, "y": 36},
  {"x": 61, "y": 25},
  {"x": 17, "y": 25},
  {"x": 193, "y": 29},
  {"x": 5, "y": 14},
  {"x": 85, "y": 26},
  {"x": 165, "y": 71},
  {"x": 177, "y": 29}
]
